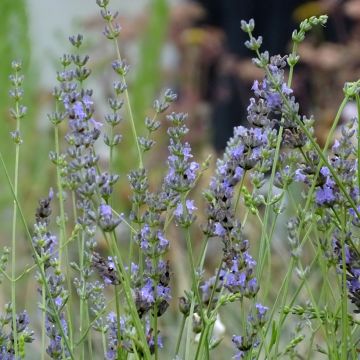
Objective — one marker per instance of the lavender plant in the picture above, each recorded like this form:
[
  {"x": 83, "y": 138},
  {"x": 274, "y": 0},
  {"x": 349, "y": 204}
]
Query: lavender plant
[{"x": 117, "y": 301}]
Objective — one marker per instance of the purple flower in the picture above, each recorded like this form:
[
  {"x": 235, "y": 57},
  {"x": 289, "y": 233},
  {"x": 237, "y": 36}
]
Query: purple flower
[
  {"x": 219, "y": 230},
  {"x": 325, "y": 196},
  {"x": 261, "y": 312},
  {"x": 147, "y": 292},
  {"x": 106, "y": 219},
  {"x": 97, "y": 125},
  {"x": 273, "y": 99},
  {"x": 190, "y": 207},
  {"x": 105, "y": 211},
  {"x": 300, "y": 176},
  {"x": 163, "y": 243},
  {"x": 78, "y": 109},
  {"x": 285, "y": 89}
]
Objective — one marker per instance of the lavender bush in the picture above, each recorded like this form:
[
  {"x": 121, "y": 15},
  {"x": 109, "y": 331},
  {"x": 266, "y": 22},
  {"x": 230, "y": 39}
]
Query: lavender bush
[{"x": 118, "y": 302}]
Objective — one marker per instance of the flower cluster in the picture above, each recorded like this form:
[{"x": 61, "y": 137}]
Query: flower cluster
[
  {"x": 254, "y": 324},
  {"x": 45, "y": 245},
  {"x": 182, "y": 171},
  {"x": 352, "y": 260},
  {"x": 343, "y": 163},
  {"x": 24, "y": 334}
]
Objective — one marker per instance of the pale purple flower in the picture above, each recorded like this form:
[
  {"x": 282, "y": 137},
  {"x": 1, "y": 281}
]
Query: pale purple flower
[{"x": 219, "y": 230}]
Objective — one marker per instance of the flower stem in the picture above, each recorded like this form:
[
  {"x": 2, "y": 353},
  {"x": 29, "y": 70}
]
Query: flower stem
[
  {"x": 120, "y": 268},
  {"x": 62, "y": 239},
  {"x": 127, "y": 98},
  {"x": 43, "y": 319},
  {"x": 358, "y": 138},
  {"x": 178, "y": 342},
  {"x": 13, "y": 236}
]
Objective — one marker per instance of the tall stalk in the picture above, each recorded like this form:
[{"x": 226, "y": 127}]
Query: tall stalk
[{"x": 17, "y": 113}]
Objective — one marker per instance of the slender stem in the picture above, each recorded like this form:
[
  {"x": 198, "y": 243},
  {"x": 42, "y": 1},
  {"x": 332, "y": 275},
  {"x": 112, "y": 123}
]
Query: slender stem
[
  {"x": 265, "y": 240},
  {"x": 200, "y": 265},
  {"x": 118, "y": 334},
  {"x": 82, "y": 295},
  {"x": 156, "y": 353},
  {"x": 103, "y": 340},
  {"x": 344, "y": 292},
  {"x": 120, "y": 268},
  {"x": 291, "y": 71},
  {"x": 189, "y": 330},
  {"x": 239, "y": 192},
  {"x": 358, "y": 138},
  {"x": 89, "y": 340},
  {"x": 132, "y": 121},
  {"x": 61, "y": 196},
  {"x": 178, "y": 342},
  {"x": 43, "y": 320},
  {"x": 192, "y": 265},
  {"x": 13, "y": 237},
  {"x": 62, "y": 240}
]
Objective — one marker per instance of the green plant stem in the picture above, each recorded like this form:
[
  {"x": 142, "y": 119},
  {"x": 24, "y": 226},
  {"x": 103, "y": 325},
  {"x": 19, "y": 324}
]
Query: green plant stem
[
  {"x": 127, "y": 98},
  {"x": 192, "y": 265},
  {"x": 120, "y": 267},
  {"x": 189, "y": 330},
  {"x": 89, "y": 340},
  {"x": 13, "y": 235},
  {"x": 103, "y": 340},
  {"x": 61, "y": 197},
  {"x": 118, "y": 314},
  {"x": 82, "y": 296},
  {"x": 200, "y": 266},
  {"x": 62, "y": 239},
  {"x": 43, "y": 320},
  {"x": 291, "y": 70},
  {"x": 178, "y": 342},
  {"x": 195, "y": 287},
  {"x": 111, "y": 149},
  {"x": 358, "y": 138},
  {"x": 264, "y": 251},
  {"x": 285, "y": 286},
  {"x": 239, "y": 192},
  {"x": 344, "y": 292},
  {"x": 156, "y": 352}
]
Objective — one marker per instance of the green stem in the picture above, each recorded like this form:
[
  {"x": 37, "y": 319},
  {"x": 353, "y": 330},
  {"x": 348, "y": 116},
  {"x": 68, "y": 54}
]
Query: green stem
[
  {"x": 156, "y": 353},
  {"x": 192, "y": 265},
  {"x": 132, "y": 121},
  {"x": 103, "y": 340},
  {"x": 13, "y": 237},
  {"x": 82, "y": 296},
  {"x": 90, "y": 350},
  {"x": 239, "y": 192},
  {"x": 61, "y": 197},
  {"x": 120, "y": 268},
  {"x": 178, "y": 342},
  {"x": 264, "y": 251},
  {"x": 189, "y": 329},
  {"x": 358, "y": 138},
  {"x": 118, "y": 314},
  {"x": 43, "y": 320},
  {"x": 344, "y": 292},
  {"x": 62, "y": 239},
  {"x": 291, "y": 70}
]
